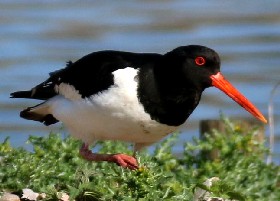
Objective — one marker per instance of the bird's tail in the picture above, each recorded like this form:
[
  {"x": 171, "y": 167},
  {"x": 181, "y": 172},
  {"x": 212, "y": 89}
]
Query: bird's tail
[
  {"x": 21, "y": 94},
  {"x": 39, "y": 113},
  {"x": 38, "y": 92}
]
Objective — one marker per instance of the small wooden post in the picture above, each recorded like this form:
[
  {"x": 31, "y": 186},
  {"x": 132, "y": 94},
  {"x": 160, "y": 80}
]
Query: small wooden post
[{"x": 207, "y": 126}]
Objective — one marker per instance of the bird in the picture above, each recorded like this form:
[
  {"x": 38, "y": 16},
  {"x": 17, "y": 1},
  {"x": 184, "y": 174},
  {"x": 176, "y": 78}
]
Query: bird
[{"x": 138, "y": 98}]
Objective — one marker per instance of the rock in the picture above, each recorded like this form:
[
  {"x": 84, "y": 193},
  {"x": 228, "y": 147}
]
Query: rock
[
  {"x": 65, "y": 197},
  {"x": 9, "y": 197},
  {"x": 29, "y": 194}
]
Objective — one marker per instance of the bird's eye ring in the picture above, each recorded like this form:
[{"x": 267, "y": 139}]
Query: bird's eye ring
[{"x": 200, "y": 61}]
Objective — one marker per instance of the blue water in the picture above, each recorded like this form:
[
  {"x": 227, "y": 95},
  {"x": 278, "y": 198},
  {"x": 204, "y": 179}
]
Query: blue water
[{"x": 38, "y": 37}]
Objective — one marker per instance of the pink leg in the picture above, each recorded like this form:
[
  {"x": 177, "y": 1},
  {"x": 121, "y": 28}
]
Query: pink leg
[{"x": 123, "y": 160}]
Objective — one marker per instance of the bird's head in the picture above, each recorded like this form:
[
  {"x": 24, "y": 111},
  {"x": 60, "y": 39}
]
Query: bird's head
[{"x": 200, "y": 67}]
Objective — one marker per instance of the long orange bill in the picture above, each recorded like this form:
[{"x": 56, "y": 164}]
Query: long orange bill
[{"x": 221, "y": 83}]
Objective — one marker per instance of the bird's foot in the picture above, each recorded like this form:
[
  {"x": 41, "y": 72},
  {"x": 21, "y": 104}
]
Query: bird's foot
[{"x": 122, "y": 160}]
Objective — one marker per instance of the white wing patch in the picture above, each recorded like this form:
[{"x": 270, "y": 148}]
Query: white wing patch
[
  {"x": 121, "y": 99},
  {"x": 113, "y": 114},
  {"x": 68, "y": 91}
]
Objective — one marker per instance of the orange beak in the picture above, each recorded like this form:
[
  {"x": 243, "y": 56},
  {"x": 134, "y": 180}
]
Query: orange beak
[{"x": 221, "y": 83}]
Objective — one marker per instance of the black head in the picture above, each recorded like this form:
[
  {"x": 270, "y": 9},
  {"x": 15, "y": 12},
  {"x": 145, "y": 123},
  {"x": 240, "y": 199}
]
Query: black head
[
  {"x": 193, "y": 64},
  {"x": 193, "y": 68}
]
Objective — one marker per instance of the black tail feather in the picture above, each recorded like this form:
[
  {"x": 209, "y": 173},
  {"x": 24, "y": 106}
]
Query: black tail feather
[
  {"x": 44, "y": 90},
  {"x": 30, "y": 113},
  {"x": 21, "y": 94},
  {"x": 40, "y": 93}
]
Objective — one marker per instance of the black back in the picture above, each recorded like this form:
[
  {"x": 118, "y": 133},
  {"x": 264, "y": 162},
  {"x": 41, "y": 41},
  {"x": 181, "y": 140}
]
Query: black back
[{"x": 89, "y": 75}]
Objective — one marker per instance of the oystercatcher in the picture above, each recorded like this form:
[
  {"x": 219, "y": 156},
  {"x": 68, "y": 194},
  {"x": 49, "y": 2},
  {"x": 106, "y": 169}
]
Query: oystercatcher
[{"x": 133, "y": 97}]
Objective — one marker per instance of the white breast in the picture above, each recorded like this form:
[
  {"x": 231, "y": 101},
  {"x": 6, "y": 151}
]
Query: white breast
[{"x": 114, "y": 114}]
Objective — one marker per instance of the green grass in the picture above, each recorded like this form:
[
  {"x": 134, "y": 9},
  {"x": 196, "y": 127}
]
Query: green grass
[{"x": 55, "y": 167}]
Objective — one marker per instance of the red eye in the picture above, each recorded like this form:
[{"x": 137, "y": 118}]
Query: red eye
[{"x": 200, "y": 61}]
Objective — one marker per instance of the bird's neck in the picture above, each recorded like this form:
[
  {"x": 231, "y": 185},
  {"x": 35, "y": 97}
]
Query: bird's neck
[{"x": 167, "y": 101}]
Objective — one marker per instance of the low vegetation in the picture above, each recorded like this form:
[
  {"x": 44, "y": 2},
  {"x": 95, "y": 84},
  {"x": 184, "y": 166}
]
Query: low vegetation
[{"x": 54, "y": 168}]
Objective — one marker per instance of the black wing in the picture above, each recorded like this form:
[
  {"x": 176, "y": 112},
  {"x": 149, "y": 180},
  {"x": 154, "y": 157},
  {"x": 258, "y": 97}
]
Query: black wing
[{"x": 90, "y": 74}]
